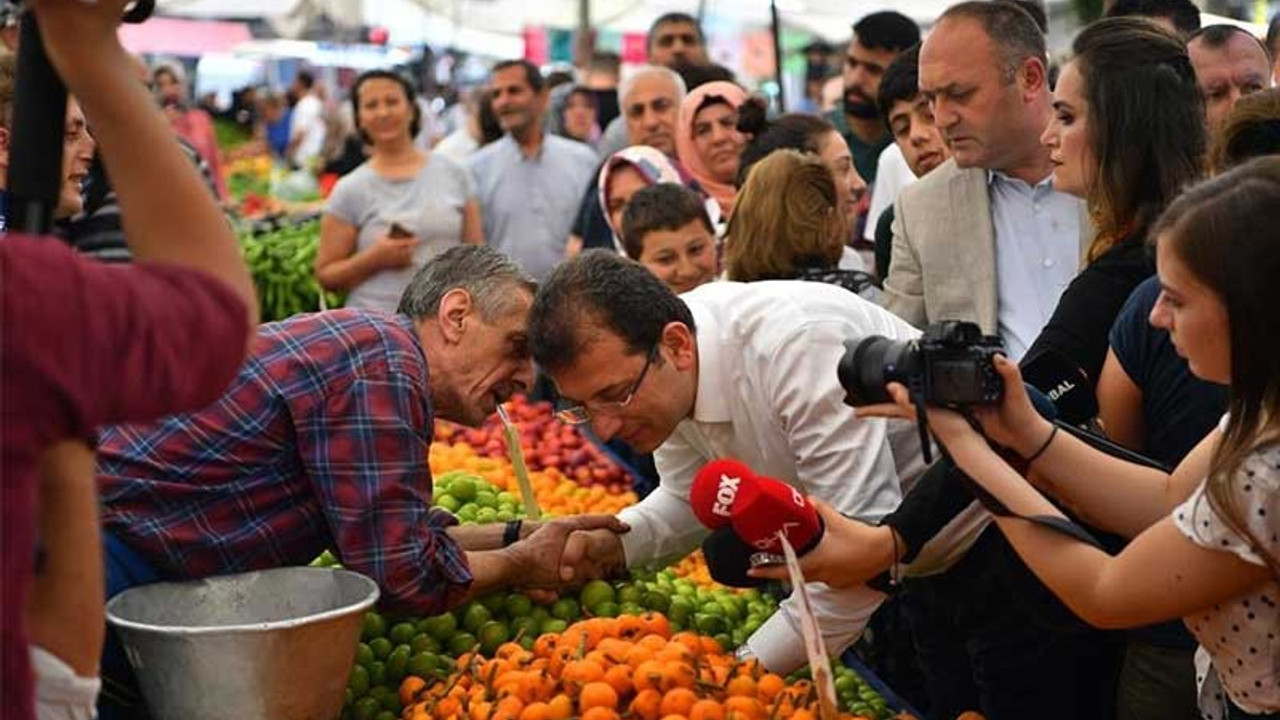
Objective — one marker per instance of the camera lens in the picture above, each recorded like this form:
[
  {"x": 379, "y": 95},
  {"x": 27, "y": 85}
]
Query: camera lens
[{"x": 870, "y": 364}]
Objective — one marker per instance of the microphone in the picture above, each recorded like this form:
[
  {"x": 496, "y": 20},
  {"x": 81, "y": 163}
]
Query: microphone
[
  {"x": 746, "y": 512},
  {"x": 717, "y": 487},
  {"x": 729, "y": 559},
  {"x": 776, "y": 507},
  {"x": 1064, "y": 382}
]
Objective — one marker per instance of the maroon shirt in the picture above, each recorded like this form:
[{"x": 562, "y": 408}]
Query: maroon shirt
[{"x": 84, "y": 344}]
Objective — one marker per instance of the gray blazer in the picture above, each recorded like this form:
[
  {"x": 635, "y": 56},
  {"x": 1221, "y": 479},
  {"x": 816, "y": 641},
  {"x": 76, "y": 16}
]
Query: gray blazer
[{"x": 944, "y": 250}]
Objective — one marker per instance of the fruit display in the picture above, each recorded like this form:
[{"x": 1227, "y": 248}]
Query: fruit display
[
  {"x": 548, "y": 445},
  {"x": 473, "y": 500},
  {"x": 728, "y": 616},
  {"x": 392, "y": 649},
  {"x": 281, "y": 264},
  {"x": 852, "y": 692},
  {"x": 557, "y": 494},
  {"x": 693, "y": 567},
  {"x": 606, "y": 669}
]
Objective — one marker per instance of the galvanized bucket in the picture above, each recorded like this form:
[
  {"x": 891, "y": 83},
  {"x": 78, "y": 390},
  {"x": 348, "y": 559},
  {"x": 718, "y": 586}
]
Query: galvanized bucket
[{"x": 269, "y": 645}]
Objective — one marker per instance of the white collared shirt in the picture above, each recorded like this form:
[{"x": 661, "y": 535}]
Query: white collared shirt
[
  {"x": 768, "y": 395},
  {"x": 1037, "y": 232}
]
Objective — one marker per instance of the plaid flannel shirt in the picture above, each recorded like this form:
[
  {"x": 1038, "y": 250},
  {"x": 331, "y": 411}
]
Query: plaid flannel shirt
[{"x": 320, "y": 442}]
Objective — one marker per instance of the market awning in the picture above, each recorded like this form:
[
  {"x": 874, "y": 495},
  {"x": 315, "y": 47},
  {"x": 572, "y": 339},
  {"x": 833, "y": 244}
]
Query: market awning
[{"x": 182, "y": 37}]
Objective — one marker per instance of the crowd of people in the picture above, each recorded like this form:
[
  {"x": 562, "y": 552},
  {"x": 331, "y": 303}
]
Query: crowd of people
[{"x": 683, "y": 273}]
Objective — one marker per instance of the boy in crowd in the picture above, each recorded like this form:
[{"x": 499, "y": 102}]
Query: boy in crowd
[
  {"x": 906, "y": 111},
  {"x": 666, "y": 228}
]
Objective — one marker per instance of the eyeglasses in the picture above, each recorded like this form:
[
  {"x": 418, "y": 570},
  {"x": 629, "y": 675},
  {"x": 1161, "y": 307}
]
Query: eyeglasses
[{"x": 581, "y": 414}]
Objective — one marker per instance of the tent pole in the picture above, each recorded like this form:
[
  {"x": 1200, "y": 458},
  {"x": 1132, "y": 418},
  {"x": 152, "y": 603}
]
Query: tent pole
[{"x": 776, "y": 26}]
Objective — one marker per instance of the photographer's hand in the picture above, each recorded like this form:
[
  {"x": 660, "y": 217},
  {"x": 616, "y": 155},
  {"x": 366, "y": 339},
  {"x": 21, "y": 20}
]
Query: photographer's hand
[
  {"x": 851, "y": 552},
  {"x": 950, "y": 428},
  {"x": 1014, "y": 423}
]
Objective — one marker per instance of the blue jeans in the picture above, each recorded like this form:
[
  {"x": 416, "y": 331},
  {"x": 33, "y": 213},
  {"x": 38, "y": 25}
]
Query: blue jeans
[{"x": 125, "y": 568}]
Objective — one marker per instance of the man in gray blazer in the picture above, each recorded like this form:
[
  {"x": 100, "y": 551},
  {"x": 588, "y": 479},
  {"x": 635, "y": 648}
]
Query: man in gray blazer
[{"x": 984, "y": 237}]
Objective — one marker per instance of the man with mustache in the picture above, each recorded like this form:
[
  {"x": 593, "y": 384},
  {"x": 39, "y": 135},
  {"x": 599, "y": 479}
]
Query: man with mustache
[
  {"x": 530, "y": 181},
  {"x": 877, "y": 40}
]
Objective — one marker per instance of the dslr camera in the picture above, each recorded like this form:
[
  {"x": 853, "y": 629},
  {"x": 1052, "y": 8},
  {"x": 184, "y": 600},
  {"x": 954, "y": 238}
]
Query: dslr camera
[{"x": 952, "y": 364}]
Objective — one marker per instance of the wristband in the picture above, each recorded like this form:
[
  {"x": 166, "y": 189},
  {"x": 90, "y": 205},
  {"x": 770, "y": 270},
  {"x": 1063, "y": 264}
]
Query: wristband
[
  {"x": 1036, "y": 455},
  {"x": 511, "y": 534}
]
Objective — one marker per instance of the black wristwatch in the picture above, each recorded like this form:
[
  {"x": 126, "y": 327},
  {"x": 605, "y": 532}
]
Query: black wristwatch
[{"x": 511, "y": 534}]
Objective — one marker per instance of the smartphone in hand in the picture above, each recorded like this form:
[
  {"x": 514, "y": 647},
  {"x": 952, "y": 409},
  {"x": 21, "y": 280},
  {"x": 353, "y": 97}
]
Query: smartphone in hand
[{"x": 398, "y": 231}]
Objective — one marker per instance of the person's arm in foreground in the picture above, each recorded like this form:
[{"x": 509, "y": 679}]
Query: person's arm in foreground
[{"x": 64, "y": 612}]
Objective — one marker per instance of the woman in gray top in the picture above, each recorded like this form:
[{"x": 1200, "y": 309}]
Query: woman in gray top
[{"x": 399, "y": 209}]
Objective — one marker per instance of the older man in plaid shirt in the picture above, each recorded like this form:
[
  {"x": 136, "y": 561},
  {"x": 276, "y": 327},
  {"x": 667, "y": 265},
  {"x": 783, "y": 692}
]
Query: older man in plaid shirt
[{"x": 322, "y": 442}]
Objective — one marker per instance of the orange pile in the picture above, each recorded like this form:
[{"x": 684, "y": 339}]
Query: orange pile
[
  {"x": 607, "y": 669},
  {"x": 693, "y": 567},
  {"x": 557, "y": 495}
]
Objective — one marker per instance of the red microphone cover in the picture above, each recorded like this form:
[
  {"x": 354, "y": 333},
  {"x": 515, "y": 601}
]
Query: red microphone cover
[
  {"x": 775, "y": 507},
  {"x": 717, "y": 487}
]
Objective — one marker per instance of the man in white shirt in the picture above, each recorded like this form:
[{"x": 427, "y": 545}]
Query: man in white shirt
[
  {"x": 745, "y": 371},
  {"x": 307, "y": 129}
]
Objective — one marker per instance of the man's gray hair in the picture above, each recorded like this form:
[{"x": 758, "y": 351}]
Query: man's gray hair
[
  {"x": 488, "y": 276},
  {"x": 629, "y": 82}
]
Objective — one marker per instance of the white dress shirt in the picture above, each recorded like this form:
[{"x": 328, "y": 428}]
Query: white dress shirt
[
  {"x": 768, "y": 395},
  {"x": 308, "y": 121},
  {"x": 1037, "y": 255},
  {"x": 892, "y": 174}
]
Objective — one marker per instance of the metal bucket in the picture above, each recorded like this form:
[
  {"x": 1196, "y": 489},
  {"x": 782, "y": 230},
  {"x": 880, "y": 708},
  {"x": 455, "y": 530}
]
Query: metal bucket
[{"x": 269, "y": 645}]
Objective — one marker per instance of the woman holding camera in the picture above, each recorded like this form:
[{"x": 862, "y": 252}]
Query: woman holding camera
[
  {"x": 1126, "y": 135},
  {"x": 1206, "y": 542},
  {"x": 397, "y": 210}
]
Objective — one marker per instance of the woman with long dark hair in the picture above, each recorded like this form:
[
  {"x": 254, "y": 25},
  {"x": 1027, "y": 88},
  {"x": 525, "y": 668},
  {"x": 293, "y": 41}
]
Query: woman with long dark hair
[
  {"x": 1127, "y": 136},
  {"x": 399, "y": 209}
]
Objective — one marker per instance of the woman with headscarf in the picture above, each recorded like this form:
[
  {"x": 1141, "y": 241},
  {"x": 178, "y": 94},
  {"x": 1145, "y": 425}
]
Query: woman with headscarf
[
  {"x": 629, "y": 171},
  {"x": 708, "y": 142}
]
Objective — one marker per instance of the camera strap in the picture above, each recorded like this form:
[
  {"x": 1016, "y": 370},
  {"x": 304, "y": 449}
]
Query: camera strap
[{"x": 996, "y": 507}]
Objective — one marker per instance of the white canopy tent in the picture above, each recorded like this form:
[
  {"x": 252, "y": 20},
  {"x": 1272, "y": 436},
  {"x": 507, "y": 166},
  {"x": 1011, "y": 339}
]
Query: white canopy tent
[
  {"x": 498, "y": 24},
  {"x": 495, "y": 27}
]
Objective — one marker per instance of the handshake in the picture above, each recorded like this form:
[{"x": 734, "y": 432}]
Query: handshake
[{"x": 568, "y": 551}]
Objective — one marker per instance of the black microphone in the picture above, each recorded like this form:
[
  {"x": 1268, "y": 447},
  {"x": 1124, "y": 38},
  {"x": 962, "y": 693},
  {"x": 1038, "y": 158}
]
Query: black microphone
[
  {"x": 729, "y": 558},
  {"x": 39, "y": 121},
  {"x": 1064, "y": 382}
]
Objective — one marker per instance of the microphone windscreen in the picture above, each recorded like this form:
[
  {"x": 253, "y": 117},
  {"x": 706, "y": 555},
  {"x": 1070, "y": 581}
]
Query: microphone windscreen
[
  {"x": 775, "y": 507},
  {"x": 1065, "y": 382},
  {"x": 1042, "y": 403},
  {"x": 716, "y": 488},
  {"x": 729, "y": 559}
]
